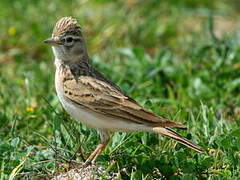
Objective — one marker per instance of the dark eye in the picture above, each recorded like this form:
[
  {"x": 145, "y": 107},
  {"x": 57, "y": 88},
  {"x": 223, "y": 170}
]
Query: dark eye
[{"x": 69, "y": 39}]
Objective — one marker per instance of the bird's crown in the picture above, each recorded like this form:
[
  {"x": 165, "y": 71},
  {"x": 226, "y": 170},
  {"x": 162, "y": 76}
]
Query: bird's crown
[{"x": 66, "y": 25}]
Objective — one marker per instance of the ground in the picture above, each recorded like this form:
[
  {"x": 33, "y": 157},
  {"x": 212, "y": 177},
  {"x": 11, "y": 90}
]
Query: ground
[{"x": 180, "y": 59}]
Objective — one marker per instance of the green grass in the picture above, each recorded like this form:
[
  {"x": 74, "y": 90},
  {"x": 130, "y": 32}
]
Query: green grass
[{"x": 163, "y": 54}]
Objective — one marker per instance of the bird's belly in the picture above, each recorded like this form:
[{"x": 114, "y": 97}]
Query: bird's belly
[{"x": 83, "y": 116}]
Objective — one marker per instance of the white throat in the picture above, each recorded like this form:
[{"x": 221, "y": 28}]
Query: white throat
[{"x": 59, "y": 55}]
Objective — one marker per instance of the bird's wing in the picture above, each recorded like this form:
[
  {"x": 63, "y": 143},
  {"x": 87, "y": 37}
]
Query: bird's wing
[{"x": 101, "y": 97}]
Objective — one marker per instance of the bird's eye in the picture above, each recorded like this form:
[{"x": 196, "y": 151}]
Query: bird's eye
[{"x": 68, "y": 41}]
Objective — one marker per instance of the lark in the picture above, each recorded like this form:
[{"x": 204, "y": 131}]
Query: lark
[{"x": 89, "y": 97}]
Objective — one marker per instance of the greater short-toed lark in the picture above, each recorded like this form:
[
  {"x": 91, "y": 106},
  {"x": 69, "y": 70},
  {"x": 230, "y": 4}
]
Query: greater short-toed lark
[{"x": 93, "y": 99}]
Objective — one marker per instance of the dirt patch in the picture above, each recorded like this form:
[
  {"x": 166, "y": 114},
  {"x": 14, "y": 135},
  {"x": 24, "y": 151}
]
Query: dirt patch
[{"x": 86, "y": 173}]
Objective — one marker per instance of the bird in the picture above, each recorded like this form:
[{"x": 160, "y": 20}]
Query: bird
[{"x": 94, "y": 100}]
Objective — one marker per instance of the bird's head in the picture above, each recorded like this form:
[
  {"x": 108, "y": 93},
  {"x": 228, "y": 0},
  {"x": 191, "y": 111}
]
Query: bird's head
[{"x": 67, "y": 41}]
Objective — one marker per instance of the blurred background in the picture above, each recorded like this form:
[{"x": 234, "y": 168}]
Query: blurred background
[{"x": 178, "y": 58}]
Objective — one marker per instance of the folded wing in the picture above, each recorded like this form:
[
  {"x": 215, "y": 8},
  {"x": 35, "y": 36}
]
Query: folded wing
[{"x": 103, "y": 98}]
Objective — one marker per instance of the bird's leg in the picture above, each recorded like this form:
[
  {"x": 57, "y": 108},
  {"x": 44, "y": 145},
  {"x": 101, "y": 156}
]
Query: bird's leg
[{"x": 104, "y": 141}]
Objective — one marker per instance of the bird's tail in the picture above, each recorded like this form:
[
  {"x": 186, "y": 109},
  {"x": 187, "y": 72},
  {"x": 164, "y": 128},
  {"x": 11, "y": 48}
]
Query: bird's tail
[{"x": 172, "y": 134}]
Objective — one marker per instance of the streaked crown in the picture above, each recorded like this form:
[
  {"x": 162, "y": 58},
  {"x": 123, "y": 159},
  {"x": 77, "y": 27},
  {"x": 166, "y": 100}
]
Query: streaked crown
[{"x": 66, "y": 25}]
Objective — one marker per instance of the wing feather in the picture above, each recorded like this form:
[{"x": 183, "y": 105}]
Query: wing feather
[{"x": 101, "y": 97}]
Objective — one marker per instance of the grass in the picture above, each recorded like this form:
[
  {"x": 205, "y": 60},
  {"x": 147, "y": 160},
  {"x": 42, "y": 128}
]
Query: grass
[{"x": 170, "y": 56}]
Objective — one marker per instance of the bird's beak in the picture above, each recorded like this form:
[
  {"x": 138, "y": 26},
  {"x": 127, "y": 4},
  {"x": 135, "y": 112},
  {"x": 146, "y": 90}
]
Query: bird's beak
[{"x": 52, "y": 41}]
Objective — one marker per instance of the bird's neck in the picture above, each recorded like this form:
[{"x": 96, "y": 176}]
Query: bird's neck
[
  {"x": 80, "y": 61},
  {"x": 62, "y": 58},
  {"x": 81, "y": 67}
]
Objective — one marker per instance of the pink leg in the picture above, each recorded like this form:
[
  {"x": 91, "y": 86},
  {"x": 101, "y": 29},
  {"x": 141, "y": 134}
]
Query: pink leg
[{"x": 104, "y": 141}]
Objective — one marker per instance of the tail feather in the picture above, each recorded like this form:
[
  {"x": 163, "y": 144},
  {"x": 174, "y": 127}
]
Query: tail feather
[{"x": 172, "y": 134}]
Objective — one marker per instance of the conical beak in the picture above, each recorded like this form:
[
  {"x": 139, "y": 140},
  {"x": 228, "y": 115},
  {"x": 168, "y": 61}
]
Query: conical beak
[{"x": 52, "y": 41}]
